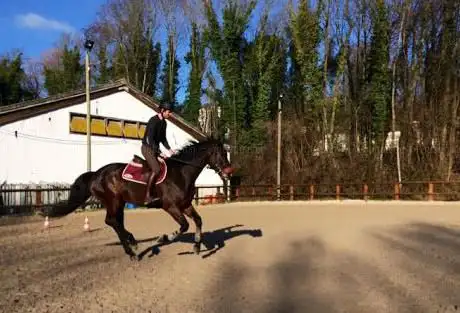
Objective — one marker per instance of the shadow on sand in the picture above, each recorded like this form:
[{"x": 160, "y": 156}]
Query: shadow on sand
[
  {"x": 213, "y": 241},
  {"x": 417, "y": 270}
]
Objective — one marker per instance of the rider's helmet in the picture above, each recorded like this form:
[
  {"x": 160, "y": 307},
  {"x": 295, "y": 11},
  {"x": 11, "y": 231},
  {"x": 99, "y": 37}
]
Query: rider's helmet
[{"x": 166, "y": 105}]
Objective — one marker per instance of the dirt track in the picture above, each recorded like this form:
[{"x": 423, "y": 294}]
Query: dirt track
[{"x": 306, "y": 257}]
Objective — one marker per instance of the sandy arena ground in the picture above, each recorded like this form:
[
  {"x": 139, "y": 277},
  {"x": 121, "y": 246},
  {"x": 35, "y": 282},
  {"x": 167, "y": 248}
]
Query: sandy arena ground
[{"x": 265, "y": 257}]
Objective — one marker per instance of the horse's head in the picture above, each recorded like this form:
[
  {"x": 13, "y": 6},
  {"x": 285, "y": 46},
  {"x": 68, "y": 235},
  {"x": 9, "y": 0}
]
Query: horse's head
[
  {"x": 218, "y": 160},
  {"x": 210, "y": 152}
]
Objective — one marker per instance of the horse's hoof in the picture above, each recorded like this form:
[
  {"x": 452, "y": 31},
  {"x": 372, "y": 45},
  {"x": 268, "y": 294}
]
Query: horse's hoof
[
  {"x": 134, "y": 246},
  {"x": 197, "y": 248},
  {"x": 163, "y": 239},
  {"x": 134, "y": 258}
]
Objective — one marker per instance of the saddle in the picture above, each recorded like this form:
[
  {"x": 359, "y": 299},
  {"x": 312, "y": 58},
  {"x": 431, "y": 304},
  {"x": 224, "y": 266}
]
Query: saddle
[
  {"x": 140, "y": 160},
  {"x": 138, "y": 171}
]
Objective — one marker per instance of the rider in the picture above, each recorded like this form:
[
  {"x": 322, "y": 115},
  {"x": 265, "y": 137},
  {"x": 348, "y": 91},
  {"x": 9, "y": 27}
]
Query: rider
[{"x": 155, "y": 132}]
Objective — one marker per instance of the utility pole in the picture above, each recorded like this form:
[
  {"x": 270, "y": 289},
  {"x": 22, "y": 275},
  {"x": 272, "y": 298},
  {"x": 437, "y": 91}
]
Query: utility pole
[
  {"x": 393, "y": 110},
  {"x": 88, "y": 46},
  {"x": 235, "y": 140},
  {"x": 278, "y": 172}
]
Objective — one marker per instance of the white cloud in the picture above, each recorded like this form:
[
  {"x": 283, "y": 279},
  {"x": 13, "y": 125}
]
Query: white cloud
[{"x": 35, "y": 21}]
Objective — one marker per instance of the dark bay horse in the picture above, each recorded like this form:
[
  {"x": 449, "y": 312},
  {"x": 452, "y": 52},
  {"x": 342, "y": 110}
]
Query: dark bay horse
[{"x": 175, "y": 191}]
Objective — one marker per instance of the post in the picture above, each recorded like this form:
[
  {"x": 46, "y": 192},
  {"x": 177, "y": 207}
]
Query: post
[
  {"x": 88, "y": 46},
  {"x": 430, "y": 192},
  {"x": 225, "y": 192},
  {"x": 228, "y": 190},
  {"x": 197, "y": 196},
  {"x": 228, "y": 181},
  {"x": 337, "y": 192},
  {"x": 397, "y": 191},
  {"x": 38, "y": 198},
  {"x": 278, "y": 172},
  {"x": 393, "y": 110},
  {"x": 366, "y": 191},
  {"x": 312, "y": 192}
]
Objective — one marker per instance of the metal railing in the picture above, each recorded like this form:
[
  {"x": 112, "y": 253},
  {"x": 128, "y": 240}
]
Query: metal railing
[
  {"x": 411, "y": 190},
  {"x": 14, "y": 200}
]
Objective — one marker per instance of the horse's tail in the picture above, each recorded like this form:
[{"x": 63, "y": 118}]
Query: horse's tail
[{"x": 79, "y": 193}]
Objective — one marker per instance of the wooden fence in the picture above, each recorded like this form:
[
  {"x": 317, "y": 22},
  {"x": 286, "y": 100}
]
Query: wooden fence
[
  {"x": 20, "y": 200},
  {"x": 412, "y": 190},
  {"x": 28, "y": 200}
]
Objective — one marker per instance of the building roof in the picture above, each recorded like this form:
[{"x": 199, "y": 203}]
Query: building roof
[{"x": 23, "y": 110}]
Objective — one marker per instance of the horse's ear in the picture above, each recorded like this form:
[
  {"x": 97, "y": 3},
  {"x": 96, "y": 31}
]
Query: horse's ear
[{"x": 218, "y": 137}]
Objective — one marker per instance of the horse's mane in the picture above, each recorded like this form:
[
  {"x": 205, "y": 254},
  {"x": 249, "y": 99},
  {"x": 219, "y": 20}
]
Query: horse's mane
[{"x": 188, "y": 152}]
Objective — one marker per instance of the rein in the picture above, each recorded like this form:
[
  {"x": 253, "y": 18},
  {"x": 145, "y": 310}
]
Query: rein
[
  {"x": 218, "y": 170},
  {"x": 181, "y": 161}
]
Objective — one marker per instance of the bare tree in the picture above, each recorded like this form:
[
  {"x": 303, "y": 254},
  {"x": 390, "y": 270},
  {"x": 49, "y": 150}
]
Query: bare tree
[
  {"x": 194, "y": 12},
  {"x": 175, "y": 26},
  {"x": 126, "y": 30},
  {"x": 34, "y": 79}
]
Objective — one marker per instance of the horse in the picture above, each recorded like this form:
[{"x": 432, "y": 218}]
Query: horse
[{"x": 116, "y": 184}]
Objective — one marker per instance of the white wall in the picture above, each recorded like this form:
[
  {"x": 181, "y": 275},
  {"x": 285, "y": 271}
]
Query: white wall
[{"x": 45, "y": 151}]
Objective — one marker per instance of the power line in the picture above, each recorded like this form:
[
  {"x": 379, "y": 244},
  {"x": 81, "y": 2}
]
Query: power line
[{"x": 62, "y": 141}]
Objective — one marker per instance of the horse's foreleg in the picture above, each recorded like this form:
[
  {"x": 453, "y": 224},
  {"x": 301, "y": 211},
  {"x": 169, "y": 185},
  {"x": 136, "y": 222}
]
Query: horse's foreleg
[
  {"x": 120, "y": 219},
  {"x": 193, "y": 214},
  {"x": 181, "y": 220}
]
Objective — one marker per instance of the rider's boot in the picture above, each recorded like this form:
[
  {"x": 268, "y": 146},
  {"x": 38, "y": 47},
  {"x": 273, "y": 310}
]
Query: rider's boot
[{"x": 148, "y": 198}]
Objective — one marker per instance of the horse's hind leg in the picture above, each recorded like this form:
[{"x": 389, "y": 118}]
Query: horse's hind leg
[
  {"x": 112, "y": 219},
  {"x": 193, "y": 214}
]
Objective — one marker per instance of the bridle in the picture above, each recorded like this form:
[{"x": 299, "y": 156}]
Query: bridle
[
  {"x": 217, "y": 169},
  {"x": 220, "y": 171}
]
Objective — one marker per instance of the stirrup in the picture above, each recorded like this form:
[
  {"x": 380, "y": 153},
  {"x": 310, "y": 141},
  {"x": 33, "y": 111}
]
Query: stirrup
[{"x": 151, "y": 201}]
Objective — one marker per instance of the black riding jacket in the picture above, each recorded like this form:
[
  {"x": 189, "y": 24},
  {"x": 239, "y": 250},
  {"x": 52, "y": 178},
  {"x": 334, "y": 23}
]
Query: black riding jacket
[{"x": 155, "y": 132}]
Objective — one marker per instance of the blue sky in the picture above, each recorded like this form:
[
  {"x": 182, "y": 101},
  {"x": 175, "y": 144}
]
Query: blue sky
[{"x": 35, "y": 26}]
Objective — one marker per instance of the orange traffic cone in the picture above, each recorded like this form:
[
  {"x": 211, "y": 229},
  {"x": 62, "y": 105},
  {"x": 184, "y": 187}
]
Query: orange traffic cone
[
  {"x": 46, "y": 225},
  {"x": 86, "y": 225}
]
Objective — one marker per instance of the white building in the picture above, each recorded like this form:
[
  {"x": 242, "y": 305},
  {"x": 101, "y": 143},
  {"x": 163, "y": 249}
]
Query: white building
[{"x": 44, "y": 141}]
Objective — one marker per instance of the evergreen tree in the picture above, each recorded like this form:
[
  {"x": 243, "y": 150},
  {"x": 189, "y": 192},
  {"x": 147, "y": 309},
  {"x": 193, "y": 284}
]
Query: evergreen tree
[
  {"x": 15, "y": 79},
  {"x": 118, "y": 68},
  {"x": 305, "y": 32},
  {"x": 196, "y": 58},
  {"x": 104, "y": 74},
  {"x": 153, "y": 68},
  {"x": 170, "y": 75},
  {"x": 12, "y": 81},
  {"x": 227, "y": 43},
  {"x": 265, "y": 58},
  {"x": 294, "y": 87},
  {"x": 379, "y": 75},
  {"x": 67, "y": 75}
]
